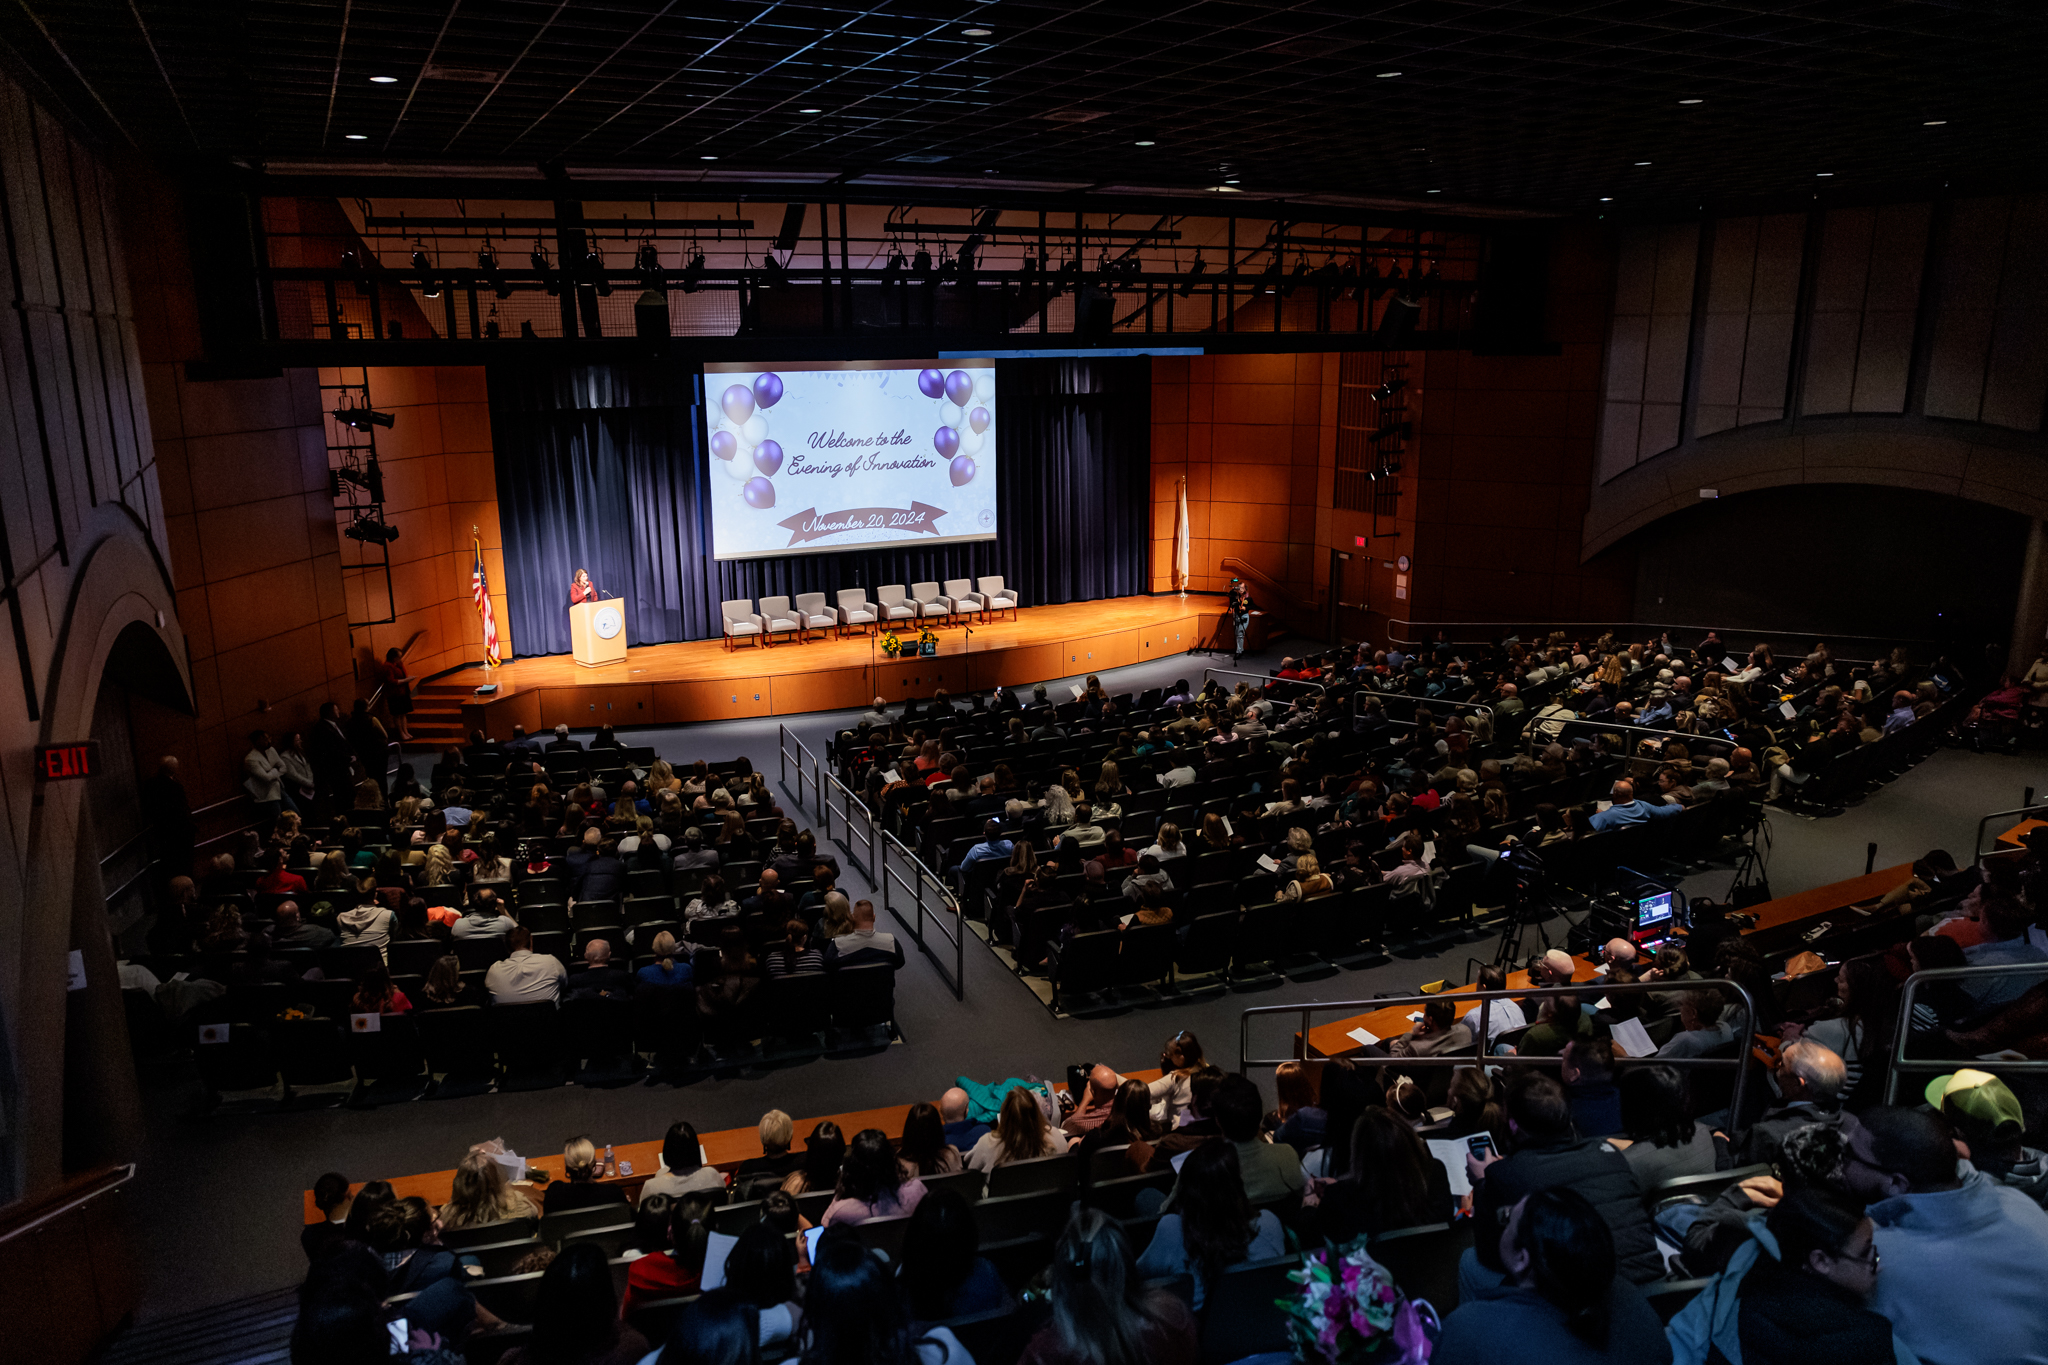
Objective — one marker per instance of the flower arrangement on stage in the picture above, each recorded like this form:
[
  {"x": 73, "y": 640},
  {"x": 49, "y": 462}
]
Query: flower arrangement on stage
[
  {"x": 891, "y": 646},
  {"x": 927, "y": 642},
  {"x": 1349, "y": 1312}
]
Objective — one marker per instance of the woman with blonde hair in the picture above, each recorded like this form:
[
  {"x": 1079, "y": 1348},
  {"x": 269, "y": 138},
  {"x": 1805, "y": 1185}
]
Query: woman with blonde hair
[
  {"x": 1310, "y": 880},
  {"x": 662, "y": 778},
  {"x": 1166, "y": 843},
  {"x": 1109, "y": 784},
  {"x": 405, "y": 813},
  {"x": 481, "y": 1195},
  {"x": 437, "y": 865},
  {"x": 665, "y": 971},
  {"x": 1021, "y": 1134}
]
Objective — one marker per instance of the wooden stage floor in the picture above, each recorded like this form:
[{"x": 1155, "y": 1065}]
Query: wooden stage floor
[{"x": 702, "y": 680}]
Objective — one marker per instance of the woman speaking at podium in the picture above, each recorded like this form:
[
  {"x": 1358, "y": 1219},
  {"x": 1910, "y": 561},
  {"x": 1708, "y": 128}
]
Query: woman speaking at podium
[{"x": 581, "y": 589}]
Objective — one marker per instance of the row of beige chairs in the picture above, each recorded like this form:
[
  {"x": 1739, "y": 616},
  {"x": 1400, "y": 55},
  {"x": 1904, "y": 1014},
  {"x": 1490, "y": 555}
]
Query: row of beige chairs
[{"x": 923, "y": 604}]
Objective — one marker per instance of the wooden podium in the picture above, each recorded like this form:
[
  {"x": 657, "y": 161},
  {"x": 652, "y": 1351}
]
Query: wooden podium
[{"x": 597, "y": 632}]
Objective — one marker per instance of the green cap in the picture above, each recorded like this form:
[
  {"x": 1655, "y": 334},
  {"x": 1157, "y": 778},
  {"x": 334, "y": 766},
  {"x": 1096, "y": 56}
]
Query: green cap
[{"x": 1977, "y": 1096}]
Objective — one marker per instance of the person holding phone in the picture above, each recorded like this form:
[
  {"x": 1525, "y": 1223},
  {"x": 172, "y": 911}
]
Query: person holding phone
[{"x": 581, "y": 589}]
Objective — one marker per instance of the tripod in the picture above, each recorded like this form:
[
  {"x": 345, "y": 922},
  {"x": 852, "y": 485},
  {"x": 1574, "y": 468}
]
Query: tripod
[{"x": 1529, "y": 906}]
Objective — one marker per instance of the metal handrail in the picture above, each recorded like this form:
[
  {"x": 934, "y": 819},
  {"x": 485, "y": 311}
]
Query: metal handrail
[
  {"x": 1263, "y": 678},
  {"x": 1478, "y": 1055},
  {"x": 105, "y": 1182},
  {"x": 1935, "y": 1066},
  {"x": 2023, "y": 811},
  {"x": 915, "y": 884},
  {"x": 1532, "y": 723},
  {"x": 783, "y": 739},
  {"x": 1384, "y": 697},
  {"x": 863, "y": 828}
]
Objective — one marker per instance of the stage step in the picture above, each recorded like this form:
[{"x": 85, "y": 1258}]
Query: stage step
[{"x": 251, "y": 1331}]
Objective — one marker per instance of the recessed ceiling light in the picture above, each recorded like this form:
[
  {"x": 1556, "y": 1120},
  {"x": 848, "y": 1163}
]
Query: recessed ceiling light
[
  {"x": 1144, "y": 142},
  {"x": 810, "y": 111},
  {"x": 1225, "y": 189},
  {"x": 707, "y": 158},
  {"x": 1692, "y": 101},
  {"x": 1642, "y": 163},
  {"x": 1823, "y": 175},
  {"x": 1432, "y": 191},
  {"x": 976, "y": 32},
  {"x": 1388, "y": 75},
  {"x": 357, "y": 137},
  {"x": 383, "y": 80},
  {"x": 1935, "y": 123},
  {"x": 1606, "y": 198},
  {"x": 1230, "y": 180}
]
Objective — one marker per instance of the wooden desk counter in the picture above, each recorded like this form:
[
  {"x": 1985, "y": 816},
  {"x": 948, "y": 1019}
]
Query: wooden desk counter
[
  {"x": 1335, "y": 1040},
  {"x": 724, "y": 1149}
]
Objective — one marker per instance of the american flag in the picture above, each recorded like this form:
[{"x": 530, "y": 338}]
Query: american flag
[{"x": 480, "y": 589}]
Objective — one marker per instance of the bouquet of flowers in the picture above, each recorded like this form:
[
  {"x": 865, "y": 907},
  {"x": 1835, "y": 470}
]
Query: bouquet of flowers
[
  {"x": 927, "y": 642},
  {"x": 891, "y": 646},
  {"x": 1349, "y": 1311}
]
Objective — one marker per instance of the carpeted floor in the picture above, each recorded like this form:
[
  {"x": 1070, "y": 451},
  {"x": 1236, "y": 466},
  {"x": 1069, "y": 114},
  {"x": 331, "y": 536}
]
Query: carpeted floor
[{"x": 217, "y": 1200}]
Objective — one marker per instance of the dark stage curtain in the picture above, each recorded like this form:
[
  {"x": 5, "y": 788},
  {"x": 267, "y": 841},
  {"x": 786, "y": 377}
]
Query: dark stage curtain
[{"x": 603, "y": 467}]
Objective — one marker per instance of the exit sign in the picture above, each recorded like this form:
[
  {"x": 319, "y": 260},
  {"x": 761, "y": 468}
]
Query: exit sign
[{"x": 61, "y": 762}]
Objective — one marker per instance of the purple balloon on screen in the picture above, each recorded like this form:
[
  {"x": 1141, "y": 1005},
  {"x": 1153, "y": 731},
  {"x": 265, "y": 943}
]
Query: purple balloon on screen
[
  {"x": 738, "y": 402},
  {"x": 724, "y": 444},
  {"x": 960, "y": 387},
  {"x": 978, "y": 419},
  {"x": 759, "y": 493},
  {"x": 768, "y": 390},
  {"x": 946, "y": 440},
  {"x": 961, "y": 470},
  {"x": 768, "y": 457},
  {"x": 931, "y": 383}
]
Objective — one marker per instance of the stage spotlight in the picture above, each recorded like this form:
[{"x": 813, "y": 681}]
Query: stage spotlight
[
  {"x": 648, "y": 261},
  {"x": 963, "y": 267},
  {"x": 1301, "y": 274},
  {"x": 487, "y": 264},
  {"x": 1029, "y": 270},
  {"x": 921, "y": 263},
  {"x": 893, "y": 269},
  {"x": 693, "y": 273},
  {"x": 773, "y": 276},
  {"x": 362, "y": 419},
  {"x": 593, "y": 269},
  {"x": 424, "y": 264},
  {"x": 370, "y": 531},
  {"x": 1187, "y": 285},
  {"x": 544, "y": 268},
  {"x": 370, "y": 480}
]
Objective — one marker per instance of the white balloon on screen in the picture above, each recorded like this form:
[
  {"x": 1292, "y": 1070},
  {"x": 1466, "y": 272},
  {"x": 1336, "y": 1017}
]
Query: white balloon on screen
[
  {"x": 950, "y": 414},
  {"x": 984, "y": 386},
  {"x": 740, "y": 466},
  {"x": 754, "y": 430},
  {"x": 971, "y": 441}
]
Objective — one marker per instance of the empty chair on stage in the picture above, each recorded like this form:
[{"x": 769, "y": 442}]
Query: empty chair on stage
[
  {"x": 856, "y": 610},
  {"x": 994, "y": 596}
]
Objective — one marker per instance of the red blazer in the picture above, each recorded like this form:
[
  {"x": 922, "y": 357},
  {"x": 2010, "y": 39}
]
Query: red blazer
[{"x": 580, "y": 592}]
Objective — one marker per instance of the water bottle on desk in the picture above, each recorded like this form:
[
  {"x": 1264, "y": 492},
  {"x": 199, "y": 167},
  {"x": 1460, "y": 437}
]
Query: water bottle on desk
[{"x": 611, "y": 1166}]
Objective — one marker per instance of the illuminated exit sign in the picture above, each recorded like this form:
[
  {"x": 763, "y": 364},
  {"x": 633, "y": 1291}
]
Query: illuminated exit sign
[{"x": 62, "y": 762}]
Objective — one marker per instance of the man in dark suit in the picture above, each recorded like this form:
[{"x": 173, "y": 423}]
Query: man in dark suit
[
  {"x": 599, "y": 979},
  {"x": 562, "y": 744},
  {"x": 327, "y": 748},
  {"x": 521, "y": 745},
  {"x": 602, "y": 877},
  {"x": 770, "y": 900}
]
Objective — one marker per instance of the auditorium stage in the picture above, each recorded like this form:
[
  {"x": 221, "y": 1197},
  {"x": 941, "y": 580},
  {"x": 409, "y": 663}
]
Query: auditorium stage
[{"x": 702, "y": 680}]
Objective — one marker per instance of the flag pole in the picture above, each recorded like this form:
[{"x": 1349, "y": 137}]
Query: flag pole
[{"x": 477, "y": 548}]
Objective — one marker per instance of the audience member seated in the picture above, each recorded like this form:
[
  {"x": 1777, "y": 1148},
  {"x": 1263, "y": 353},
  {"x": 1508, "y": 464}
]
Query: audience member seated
[
  {"x": 331, "y": 1197},
  {"x": 1548, "y": 1154},
  {"x": 758, "y": 1174},
  {"x": 1212, "y": 1225},
  {"x": 669, "y": 970},
  {"x": 923, "y": 1149},
  {"x": 1101, "y": 1312},
  {"x": 486, "y": 918},
  {"x": 1659, "y": 1137},
  {"x": 1627, "y": 810},
  {"x": 376, "y": 994},
  {"x": 370, "y": 924},
  {"x": 445, "y": 987},
  {"x": 963, "y": 1130},
  {"x": 1563, "y": 1298},
  {"x": 866, "y": 944},
  {"x": 524, "y": 977},
  {"x": 666, "y": 1274},
  {"x": 824, "y": 1151},
  {"x": 480, "y": 1195},
  {"x": 576, "y": 1315},
  {"x": 1559, "y": 1021},
  {"x": 683, "y": 1168},
  {"x": 599, "y": 979},
  {"x": 1391, "y": 1182},
  {"x": 1794, "y": 1296},
  {"x": 942, "y": 1273},
  {"x": 1272, "y": 1171},
  {"x": 1437, "y": 1032},
  {"x": 1707, "y": 1023},
  {"x": 1587, "y": 1071},
  {"x": 1298, "y": 1121},
  {"x": 854, "y": 1312},
  {"x": 579, "y": 1189},
  {"x": 1179, "y": 1060},
  {"x": 796, "y": 955},
  {"x": 761, "y": 1272},
  {"x": 1989, "y": 1119},
  {"x": 342, "y": 1317},
  {"x": 1096, "y": 1102},
  {"x": 872, "y": 1183},
  {"x": 294, "y": 932},
  {"x": 1809, "y": 1081},
  {"x": 1962, "y": 1254},
  {"x": 1021, "y": 1134}
]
